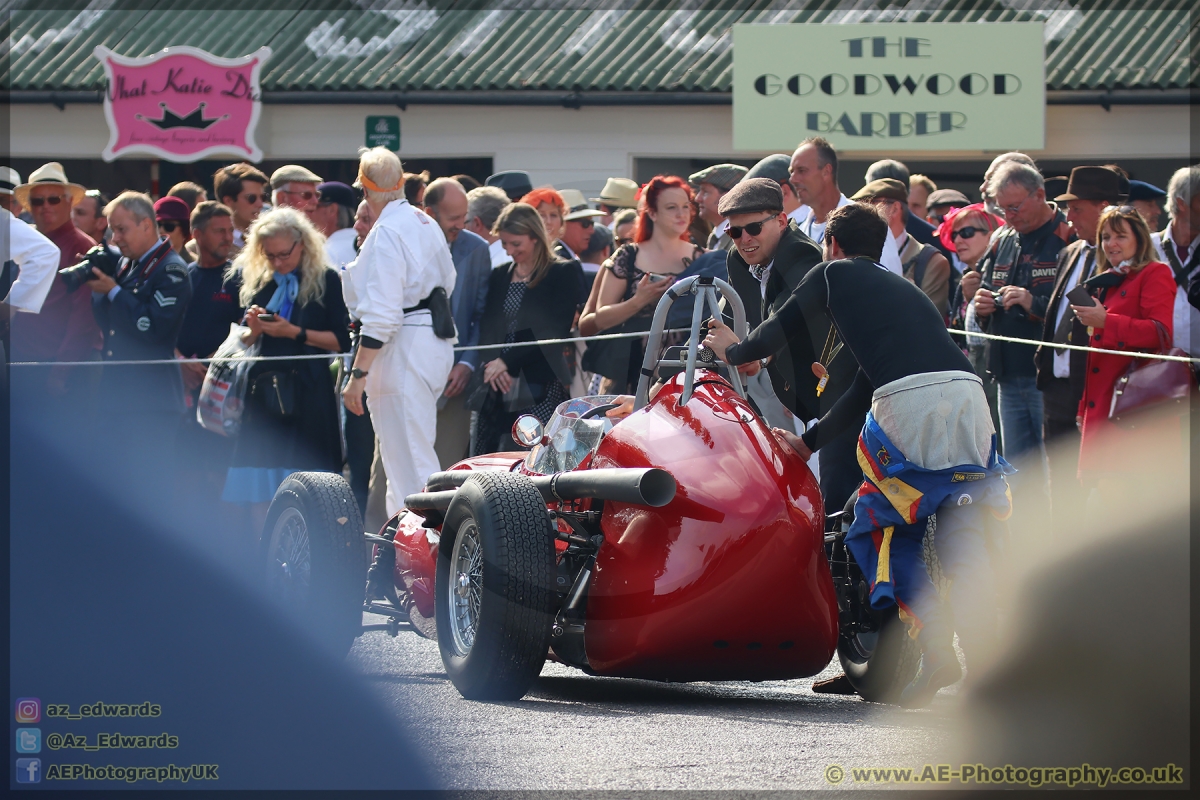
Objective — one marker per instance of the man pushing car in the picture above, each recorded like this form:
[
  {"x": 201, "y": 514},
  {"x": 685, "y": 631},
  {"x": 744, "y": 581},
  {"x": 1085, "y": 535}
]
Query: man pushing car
[{"x": 927, "y": 449}]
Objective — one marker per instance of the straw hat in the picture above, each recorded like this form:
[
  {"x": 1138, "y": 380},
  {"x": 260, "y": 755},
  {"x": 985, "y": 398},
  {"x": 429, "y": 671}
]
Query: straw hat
[
  {"x": 48, "y": 174},
  {"x": 619, "y": 193}
]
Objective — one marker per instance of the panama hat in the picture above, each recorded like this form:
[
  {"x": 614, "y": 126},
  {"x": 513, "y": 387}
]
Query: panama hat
[
  {"x": 9, "y": 180},
  {"x": 618, "y": 193},
  {"x": 51, "y": 173}
]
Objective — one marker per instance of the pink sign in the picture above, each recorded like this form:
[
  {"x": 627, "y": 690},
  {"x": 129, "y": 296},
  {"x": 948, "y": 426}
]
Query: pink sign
[{"x": 182, "y": 104}]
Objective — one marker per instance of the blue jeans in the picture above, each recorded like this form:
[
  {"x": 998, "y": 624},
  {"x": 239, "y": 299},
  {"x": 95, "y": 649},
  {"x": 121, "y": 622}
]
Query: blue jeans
[{"x": 1021, "y": 430}]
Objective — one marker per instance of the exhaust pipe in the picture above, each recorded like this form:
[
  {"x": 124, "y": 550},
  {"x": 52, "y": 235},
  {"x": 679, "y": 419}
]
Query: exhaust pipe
[{"x": 650, "y": 486}]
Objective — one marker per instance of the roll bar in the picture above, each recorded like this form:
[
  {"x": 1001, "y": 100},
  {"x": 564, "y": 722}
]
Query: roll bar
[{"x": 705, "y": 288}]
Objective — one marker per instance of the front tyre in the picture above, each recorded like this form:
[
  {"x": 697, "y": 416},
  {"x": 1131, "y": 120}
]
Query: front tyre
[
  {"x": 311, "y": 549},
  {"x": 494, "y": 596}
]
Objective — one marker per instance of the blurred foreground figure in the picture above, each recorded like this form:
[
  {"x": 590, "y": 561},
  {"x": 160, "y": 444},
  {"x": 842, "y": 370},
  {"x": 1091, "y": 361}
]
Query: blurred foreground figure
[{"x": 1094, "y": 616}]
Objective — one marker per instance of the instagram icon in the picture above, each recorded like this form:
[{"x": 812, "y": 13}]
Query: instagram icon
[{"x": 29, "y": 710}]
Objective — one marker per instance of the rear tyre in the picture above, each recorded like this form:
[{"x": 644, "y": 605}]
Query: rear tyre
[
  {"x": 494, "y": 591},
  {"x": 880, "y": 664},
  {"x": 314, "y": 563}
]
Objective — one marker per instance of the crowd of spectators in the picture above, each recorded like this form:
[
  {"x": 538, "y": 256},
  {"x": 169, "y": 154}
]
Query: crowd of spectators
[{"x": 270, "y": 254}]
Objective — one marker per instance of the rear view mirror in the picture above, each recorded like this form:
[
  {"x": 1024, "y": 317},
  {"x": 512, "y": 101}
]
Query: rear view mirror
[{"x": 527, "y": 430}]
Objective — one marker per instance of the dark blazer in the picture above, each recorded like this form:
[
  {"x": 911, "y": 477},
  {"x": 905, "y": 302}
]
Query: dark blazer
[
  {"x": 1043, "y": 357},
  {"x": 791, "y": 369},
  {"x": 923, "y": 232},
  {"x": 472, "y": 266},
  {"x": 547, "y": 311}
]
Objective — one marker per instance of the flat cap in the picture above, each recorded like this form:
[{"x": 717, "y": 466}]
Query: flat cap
[
  {"x": 336, "y": 192},
  {"x": 293, "y": 172},
  {"x": 754, "y": 194},
  {"x": 722, "y": 176},
  {"x": 777, "y": 167},
  {"x": 888, "y": 188},
  {"x": 1140, "y": 190},
  {"x": 947, "y": 197},
  {"x": 515, "y": 183}
]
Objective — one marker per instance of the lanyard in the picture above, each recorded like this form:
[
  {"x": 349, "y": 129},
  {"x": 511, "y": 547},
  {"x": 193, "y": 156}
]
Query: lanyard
[
  {"x": 829, "y": 352},
  {"x": 156, "y": 257}
]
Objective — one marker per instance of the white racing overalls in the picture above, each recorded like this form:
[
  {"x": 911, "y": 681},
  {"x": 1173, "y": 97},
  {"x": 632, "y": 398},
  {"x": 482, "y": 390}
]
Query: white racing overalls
[{"x": 404, "y": 258}]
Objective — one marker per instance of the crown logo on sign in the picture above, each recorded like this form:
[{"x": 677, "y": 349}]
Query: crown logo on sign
[{"x": 170, "y": 119}]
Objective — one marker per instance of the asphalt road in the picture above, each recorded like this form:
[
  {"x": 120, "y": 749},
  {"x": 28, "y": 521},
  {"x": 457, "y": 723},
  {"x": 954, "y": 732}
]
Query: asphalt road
[{"x": 574, "y": 731}]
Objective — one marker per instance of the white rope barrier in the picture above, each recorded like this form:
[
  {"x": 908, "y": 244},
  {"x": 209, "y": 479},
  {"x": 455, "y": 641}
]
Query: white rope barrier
[
  {"x": 309, "y": 356},
  {"x": 1057, "y": 346}
]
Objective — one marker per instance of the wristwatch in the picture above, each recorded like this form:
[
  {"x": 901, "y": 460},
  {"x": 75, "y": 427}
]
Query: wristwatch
[
  {"x": 302, "y": 336},
  {"x": 763, "y": 362},
  {"x": 357, "y": 373}
]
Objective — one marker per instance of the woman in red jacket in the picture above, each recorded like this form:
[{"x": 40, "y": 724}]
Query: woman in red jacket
[{"x": 1136, "y": 298}]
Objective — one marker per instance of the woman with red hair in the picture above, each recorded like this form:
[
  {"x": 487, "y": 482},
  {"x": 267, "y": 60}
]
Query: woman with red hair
[
  {"x": 551, "y": 208},
  {"x": 636, "y": 276}
]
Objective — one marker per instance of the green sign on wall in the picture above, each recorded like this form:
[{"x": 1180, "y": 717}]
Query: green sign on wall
[
  {"x": 384, "y": 132},
  {"x": 890, "y": 86}
]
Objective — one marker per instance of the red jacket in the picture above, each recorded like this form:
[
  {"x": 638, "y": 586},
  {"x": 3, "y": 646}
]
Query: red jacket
[{"x": 1133, "y": 306}]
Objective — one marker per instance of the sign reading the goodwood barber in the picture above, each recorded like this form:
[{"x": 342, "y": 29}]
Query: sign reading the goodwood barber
[
  {"x": 890, "y": 86},
  {"x": 182, "y": 104}
]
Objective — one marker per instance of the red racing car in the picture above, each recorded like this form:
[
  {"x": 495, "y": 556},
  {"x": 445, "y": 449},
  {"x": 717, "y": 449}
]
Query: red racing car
[{"x": 684, "y": 542}]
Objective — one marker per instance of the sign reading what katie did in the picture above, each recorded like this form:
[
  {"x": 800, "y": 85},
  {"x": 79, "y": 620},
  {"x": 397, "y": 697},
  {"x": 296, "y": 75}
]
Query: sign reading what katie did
[
  {"x": 182, "y": 104},
  {"x": 890, "y": 86}
]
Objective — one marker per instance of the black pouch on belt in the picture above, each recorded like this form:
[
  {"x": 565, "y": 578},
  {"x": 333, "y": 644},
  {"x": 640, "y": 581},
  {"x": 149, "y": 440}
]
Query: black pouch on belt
[{"x": 443, "y": 318}]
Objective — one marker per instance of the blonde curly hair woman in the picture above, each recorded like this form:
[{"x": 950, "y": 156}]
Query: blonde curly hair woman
[{"x": 294, "y": 307}]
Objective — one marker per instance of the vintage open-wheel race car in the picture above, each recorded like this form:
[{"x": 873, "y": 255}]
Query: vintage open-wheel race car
[{"x": 684, "y": 542}]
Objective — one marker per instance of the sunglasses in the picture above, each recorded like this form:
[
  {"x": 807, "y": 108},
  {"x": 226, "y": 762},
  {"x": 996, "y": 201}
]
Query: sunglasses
[
  {"x": 167, "y": 226},
  {"x": 754, "y": 228},
  {"x": 966, "y": 232},
  {"x": 254, "y": 198},
  {"x": 586, "y": 222},
  {"x": 38, "y": 202}
]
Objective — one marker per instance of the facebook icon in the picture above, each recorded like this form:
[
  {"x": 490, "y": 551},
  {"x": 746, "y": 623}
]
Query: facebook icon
[{"x": 29, "y": 770}]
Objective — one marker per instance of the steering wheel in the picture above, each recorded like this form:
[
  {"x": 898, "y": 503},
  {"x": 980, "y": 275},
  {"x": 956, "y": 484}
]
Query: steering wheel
[{"x": 598, "y": 410}]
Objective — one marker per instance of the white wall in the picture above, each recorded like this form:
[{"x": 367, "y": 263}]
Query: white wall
[{"x": 579, "y": 149}]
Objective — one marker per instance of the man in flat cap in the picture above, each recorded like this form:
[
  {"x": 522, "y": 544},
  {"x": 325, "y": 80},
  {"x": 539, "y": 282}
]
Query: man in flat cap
[
  {"x": 921, "y": 264},
  {"x": 711, "y": 184},
  {"x": 334, "y": 217},
  {"x": 770, "y": 257},
  {"x": 940, "y": 202},
  {"x": 294, "y": 186}
]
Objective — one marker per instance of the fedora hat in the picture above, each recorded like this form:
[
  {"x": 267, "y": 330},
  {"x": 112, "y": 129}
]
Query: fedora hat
[
  {"x": 52, "y": 173},
  {"x": 577, "y": 207},
  {"x": 1095, "y": 183},
  {"x": 618, "y": 193}
]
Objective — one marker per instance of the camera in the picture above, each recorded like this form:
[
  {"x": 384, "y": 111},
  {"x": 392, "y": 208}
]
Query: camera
[{"x": 102, "y": 257}]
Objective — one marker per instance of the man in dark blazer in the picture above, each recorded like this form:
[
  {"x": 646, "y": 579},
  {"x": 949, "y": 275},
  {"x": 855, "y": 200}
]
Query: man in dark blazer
[
  {"x": 768, "y": 260},
  {"x": 916, "y": 227},
  {"x": 446, "y": 202},
  {"x": 1061, "y": 373}
]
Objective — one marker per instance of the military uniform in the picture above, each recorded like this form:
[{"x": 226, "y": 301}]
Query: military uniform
[{"x": 141, "y": 322}]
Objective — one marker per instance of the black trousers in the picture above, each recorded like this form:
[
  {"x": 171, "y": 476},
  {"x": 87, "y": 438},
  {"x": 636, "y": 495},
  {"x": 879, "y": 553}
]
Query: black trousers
[
  {"x": 841, "y": 474},
  {"x": 360, "y": 451},
  {"x": 1062, "y": 451}
]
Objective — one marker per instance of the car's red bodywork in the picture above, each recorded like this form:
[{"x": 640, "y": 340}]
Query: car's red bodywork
[{"x": 729, "y": 581}]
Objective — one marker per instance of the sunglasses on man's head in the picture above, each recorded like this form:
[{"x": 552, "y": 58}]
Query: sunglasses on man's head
[
  {"x": 53, "y": 200},
  {"x": 754, "y": 228},
  {"x": 166, "y": 226},
  {"x": 966, "y": 232}
]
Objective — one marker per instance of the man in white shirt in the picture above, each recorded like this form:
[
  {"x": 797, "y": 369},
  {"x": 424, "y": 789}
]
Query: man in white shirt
[
  {"x": 37, "y": 259},
  {"x": 903, "y": 254},
  {"x": 484, "y": 205},
  {"x": 401, "y": 364},
  {"x": 1061, "y": 373},
  {"x": 334, "y": 217},
  {"x": 813, "y": 175},
  {"x": 1176, "y": 247}
]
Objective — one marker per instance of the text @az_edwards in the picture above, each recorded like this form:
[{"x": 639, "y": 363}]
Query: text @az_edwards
[
  {"x": 102, "y": 709},
  {"x": 171, "y": 772},
  {"x": 111, "y": 741},
  {"x": 981, "y": 774}
]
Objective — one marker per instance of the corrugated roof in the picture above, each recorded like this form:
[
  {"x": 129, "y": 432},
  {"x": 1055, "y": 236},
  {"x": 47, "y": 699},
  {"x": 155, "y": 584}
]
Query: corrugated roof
[{"x": 592, "y": 45}]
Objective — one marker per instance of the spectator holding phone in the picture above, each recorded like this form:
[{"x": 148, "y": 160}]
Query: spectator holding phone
[
  {"x": 1135, "y": 297},
  {"x": 294, "y": 307},
  {"x": 637, "y": 275}
]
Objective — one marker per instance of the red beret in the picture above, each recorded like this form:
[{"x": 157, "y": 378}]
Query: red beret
[{"x": 171, "y": 209}]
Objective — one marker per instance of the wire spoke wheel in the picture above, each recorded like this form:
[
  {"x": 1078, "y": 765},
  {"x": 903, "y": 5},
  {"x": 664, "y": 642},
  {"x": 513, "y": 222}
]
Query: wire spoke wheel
[
  {"x": 289, "y": 562},
  {"x": 465, "y": 588}
]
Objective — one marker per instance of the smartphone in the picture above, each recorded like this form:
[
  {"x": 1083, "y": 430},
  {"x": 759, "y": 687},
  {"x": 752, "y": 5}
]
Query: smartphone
[
  {"x": 656, "y": 278},
  {"x": 1079, "y": 296},
  {"x": 267, "y": 317}
]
